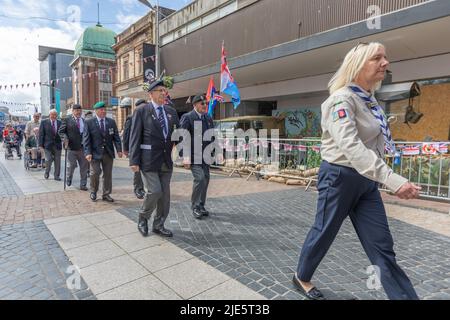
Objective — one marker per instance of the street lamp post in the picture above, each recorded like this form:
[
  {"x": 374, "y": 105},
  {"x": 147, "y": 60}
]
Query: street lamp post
[{"x": 148, "y": 4}]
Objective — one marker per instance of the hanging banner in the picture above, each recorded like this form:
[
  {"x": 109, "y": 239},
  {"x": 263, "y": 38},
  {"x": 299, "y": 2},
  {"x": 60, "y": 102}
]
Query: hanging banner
[
  {"x": 148, "y": 50},
  {"x": 411, "y": 150},
  {"x": 58, "y": 101},
  {"x": 443, "y": 148},
  {"x": 430, "y": 148}
]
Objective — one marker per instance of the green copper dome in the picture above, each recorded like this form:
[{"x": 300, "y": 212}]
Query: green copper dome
[{"x": 96, "y": 42}]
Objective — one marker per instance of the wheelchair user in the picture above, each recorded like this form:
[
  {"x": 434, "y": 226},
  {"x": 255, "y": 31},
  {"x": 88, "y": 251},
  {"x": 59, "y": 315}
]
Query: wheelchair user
[
  {"x": 11, "y": 140},
  {"x": 31, "y": 146}
]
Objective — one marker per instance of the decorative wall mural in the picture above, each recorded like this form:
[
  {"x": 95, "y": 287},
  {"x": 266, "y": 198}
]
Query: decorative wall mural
[{"x": 302, "y": 122}]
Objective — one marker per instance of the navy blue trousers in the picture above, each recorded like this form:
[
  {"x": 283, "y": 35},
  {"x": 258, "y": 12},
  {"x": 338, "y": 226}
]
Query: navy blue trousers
[{"x": 344, "y": 192}]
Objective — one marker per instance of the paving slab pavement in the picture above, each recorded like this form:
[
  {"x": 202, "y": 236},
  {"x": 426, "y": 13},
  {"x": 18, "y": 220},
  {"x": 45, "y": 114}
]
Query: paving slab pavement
[
  {"x": 251, "y": 239},
  {"x": 116, "y": 262}
]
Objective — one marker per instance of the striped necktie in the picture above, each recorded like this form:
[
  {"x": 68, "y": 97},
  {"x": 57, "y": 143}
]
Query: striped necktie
[
  {"x": 162, "y": 121},
  {"x": 378, "y": 113}
]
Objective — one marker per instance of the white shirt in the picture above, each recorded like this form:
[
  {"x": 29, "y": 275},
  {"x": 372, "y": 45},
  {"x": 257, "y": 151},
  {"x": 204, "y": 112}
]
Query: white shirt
[{"x": 198, "y": 113}]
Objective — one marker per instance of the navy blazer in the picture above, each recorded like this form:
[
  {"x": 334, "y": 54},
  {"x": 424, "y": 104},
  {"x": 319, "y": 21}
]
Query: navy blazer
[
  {"x": 187, "y": 122},
  {"x": 148, "y": 147},
  {"x": 48, "y": 139},
  {"x": 70, "y": 131},
  {"x": 126, "y": 133},
  {"x": 96, "y": 143}
]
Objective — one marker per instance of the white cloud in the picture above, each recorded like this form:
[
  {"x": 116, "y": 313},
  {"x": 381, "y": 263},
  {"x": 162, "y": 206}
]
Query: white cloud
[
  {"x": 127, "y": 20},
  {"x": 127, "y": 5},
  {"x": 19, "y": 58}
]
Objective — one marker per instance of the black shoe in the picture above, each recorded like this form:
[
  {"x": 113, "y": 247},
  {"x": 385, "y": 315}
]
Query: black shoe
[
  {"x": 107, "y": 198},
  {"x": 197, "y": 213},
  {"x": 69, "y": 182},
  {"x": 312, "y": 294},
  {"x": 93, "y": 196},
  {"x": 46, "y": 175},
  {"x": 58, "y": 179},
  {"x": 204, "y": 212},
  {"x": 143, "y": 226},
  {"x": 83, "y": 188},
  {"x": 163, "y": 232},
  {"x": 139, "y": 194}
]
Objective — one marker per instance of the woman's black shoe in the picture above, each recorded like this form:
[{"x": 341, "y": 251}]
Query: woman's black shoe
[{"x": 313, "y": 294}]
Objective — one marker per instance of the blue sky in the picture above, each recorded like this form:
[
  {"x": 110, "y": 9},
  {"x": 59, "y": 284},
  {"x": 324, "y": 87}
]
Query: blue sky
[
  {"x": 21, "y": 32},
  {"x": 113, "y": 13}
]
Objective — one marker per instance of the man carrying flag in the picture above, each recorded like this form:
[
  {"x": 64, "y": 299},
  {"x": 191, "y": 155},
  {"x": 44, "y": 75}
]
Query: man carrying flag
[{"x": 227, "y": 83}]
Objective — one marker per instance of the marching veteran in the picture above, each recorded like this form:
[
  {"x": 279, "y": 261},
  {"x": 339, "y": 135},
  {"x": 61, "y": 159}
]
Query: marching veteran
[
  {"x": 150, "y": 152},
  {"x": 100, "y": 136}
]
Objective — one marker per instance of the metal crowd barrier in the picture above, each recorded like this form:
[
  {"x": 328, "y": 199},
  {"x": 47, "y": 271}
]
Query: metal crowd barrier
[{"x": 424, "y": 163}]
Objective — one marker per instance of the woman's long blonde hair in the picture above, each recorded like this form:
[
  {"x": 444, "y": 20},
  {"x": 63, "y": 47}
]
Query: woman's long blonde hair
[{"x": 351, "y": 66}]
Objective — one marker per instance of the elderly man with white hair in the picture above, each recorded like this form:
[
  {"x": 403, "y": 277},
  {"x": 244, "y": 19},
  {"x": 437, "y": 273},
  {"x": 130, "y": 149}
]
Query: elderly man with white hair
[
  {"x": 34, "y": 123},
  {"x": 50, "y": 141}
]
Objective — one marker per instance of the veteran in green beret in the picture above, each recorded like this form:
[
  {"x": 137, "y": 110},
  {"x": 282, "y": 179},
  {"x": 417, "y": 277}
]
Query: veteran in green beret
[{"x": 100, "y": 137}]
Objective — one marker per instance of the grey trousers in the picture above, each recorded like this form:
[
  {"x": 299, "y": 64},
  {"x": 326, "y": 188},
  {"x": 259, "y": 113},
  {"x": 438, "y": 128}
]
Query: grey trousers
[
  {"x": 200, "y": 188},
  {"x": 137, "y": 181},
  {"x": 157, "y": 196},
  {"x": 73, "y": 158},
  {"x": 96, "y": 170},
  {"x": 53, "y": 155}
]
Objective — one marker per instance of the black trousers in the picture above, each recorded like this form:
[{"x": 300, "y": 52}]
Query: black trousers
[
  {"x": 344, "y": 192},
  {"x": 200, "y": 187}
]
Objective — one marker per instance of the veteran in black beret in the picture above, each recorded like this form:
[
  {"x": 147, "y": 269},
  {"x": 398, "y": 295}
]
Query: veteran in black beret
[
  {"x": 195, "y": 161},
  {"x": 150, "y": 152},
  {"x": 138, "y": 184},
  {"x": 100, "y": 137},
  {"x": 71, "y": 133}
]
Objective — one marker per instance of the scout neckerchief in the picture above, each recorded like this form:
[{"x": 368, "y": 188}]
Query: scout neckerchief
[{"x": 378, "y": 113}]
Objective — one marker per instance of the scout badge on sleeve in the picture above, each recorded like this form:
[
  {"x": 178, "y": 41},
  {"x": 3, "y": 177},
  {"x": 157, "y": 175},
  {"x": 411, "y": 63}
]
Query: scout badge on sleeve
[{"x": 340, "y": 113}]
